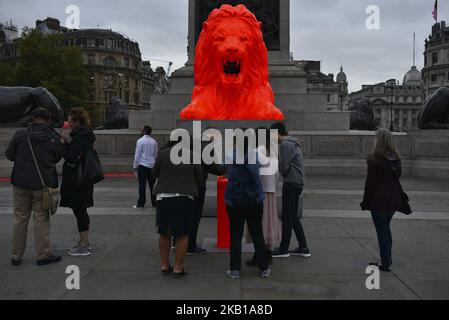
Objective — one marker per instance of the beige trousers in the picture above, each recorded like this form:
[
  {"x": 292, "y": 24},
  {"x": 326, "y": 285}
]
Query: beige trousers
[{"x": 25, "y": 202}]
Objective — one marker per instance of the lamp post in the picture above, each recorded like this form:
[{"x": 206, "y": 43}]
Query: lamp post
[{"x": 391, "y": 84}]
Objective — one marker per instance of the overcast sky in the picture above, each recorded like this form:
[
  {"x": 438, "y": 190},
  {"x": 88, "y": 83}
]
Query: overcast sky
[{"x": 332, "y": 31}]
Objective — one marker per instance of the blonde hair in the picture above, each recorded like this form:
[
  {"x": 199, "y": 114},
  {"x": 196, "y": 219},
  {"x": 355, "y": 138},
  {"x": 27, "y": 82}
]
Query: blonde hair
[
  {"x": 80, "y": 114},
  {"x": 383, "y": 144}
]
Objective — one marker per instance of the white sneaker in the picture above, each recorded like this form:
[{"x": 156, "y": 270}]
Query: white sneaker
[
  {"x": 235, "y": 275},
  {"x": 266, "y": 273},
  {"x": 80, "y": 252}
]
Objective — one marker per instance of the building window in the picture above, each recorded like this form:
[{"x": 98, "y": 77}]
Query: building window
[
  {"x": 92, "y": 96},
  {"x": 110, "y": 80},
  {"x": 126, "y": 97},
  {"x": 328, "y": 98},
  {"x": 92, "y": 79},
  {"x": 91, "y": 43},
  {"x": 109, "y": 43},
  {"x": 126, "y": 62},
  {"x": 136, "y": 98},
  {"x": 126, "y": 82},
  {"x": 99, "y": 42},
  {"x": 434, "y": 77},
  {"x": 434, "y": 57},
  {"x": 425, "y": 61},
  {"x": 90, "y": 59},
  {"x": 137, "y": 85},
  {"x": 110, "y": 61}
]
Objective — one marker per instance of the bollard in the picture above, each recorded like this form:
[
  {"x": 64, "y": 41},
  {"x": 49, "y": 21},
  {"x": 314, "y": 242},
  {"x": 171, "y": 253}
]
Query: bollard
[{"x": 223, "y": 235}]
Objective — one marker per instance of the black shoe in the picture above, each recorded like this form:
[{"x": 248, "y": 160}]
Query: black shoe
[
  {"x": 196, "y": 251},
  {"x": 51, "y": 259},
  {"x": 278, "y": 253},
  {"x": 16, "y": 262},
  {"x": 381, "y": 267}
]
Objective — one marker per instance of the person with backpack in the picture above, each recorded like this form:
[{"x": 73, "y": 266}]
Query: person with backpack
[
  {"x": 78, "y": 197},
  {"x": 28, "y": 187},
  {"x": 383, "y": 192},
  {"x": 244, "y": 198}
]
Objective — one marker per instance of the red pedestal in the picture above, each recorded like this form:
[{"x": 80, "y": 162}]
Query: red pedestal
[{"x": 223, "y": 236}]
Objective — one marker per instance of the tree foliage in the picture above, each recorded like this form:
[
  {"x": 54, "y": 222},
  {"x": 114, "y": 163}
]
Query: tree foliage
[{"x": 46, "y": 62}]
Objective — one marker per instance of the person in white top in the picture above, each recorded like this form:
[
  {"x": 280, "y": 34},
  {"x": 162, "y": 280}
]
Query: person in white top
[
  {"x": 269, "y": 176},
  {"x": 144, "y": 160}
]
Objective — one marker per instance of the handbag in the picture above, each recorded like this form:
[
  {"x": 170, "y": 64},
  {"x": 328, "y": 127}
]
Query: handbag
[
  {"x": 89, "y": 170},
  {"x": 50, "y": 196},
  {"x": 405, "y": 203}
]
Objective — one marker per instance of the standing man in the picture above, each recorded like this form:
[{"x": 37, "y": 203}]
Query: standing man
[
  {"x": 198, "y": 206},
  {"x": 291, "y": 168},
  {"x": 144, "y": 160},
  {"x": 27, "y": 185}
]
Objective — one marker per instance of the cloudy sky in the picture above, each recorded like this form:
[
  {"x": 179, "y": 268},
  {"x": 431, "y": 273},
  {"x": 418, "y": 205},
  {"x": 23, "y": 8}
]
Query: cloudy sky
[{"x": 333, "y": 31}]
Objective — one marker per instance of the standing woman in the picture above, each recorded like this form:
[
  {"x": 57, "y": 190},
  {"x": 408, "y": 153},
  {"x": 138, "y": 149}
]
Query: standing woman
[
  {"x": 244, "y": 198},
  {"x": 176, "y": 189},
  {"x": 383, "y": 192},
  {"x": 78, "y": 198},
  {"x": 271, "y": 226}
]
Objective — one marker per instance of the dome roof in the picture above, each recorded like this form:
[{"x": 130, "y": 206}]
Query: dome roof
[
  {"x": 341, "y": 77},
  {"x": 413, "y": 77}
]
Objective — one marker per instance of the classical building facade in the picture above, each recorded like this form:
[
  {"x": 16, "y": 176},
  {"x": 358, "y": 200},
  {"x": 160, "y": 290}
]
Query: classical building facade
[
  {"x": 395, "y": 105},
  {"x": 113, "y": 63},
  {"x": 436, "y": 59},
  {"x": 336, "y": 91},
  {"x": 9, "y": 35}
]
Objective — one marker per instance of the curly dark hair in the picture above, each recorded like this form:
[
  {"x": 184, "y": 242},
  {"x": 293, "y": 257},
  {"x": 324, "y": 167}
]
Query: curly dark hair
[{"x": 80, "y": 114}]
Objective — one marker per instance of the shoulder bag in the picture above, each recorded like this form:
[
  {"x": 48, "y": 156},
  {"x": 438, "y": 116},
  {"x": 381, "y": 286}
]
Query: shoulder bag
[{"x": 50, "y": 196}]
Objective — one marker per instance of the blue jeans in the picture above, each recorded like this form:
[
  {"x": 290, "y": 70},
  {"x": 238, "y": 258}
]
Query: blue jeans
[
  {"x": 382, "y": 222},
  {"x": 290, "y": 220}
]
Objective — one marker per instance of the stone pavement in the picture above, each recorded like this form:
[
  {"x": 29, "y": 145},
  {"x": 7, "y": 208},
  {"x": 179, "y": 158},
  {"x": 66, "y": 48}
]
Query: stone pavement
[{"x": 125, "y": 262}]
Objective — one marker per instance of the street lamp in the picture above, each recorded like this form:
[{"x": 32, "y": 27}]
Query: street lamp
[{"x": 391, "y": 84}]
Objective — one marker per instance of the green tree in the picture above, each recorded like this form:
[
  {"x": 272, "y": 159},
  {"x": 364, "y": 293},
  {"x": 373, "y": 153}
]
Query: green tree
[
  {"x": 7, "y": 73},
  {"x": 45, "y": 62}
]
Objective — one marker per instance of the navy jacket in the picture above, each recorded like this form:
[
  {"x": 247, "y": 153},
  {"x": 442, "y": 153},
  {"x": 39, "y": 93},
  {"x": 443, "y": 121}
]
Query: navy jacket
[{"x": 243, "y": 183}]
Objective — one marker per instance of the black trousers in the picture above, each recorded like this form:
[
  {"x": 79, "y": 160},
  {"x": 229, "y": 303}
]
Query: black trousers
[
  {"x": 290, "y": 220},
  {"x": 144, "y": 175},
  {"x": 82, "y": 218},
  {"x": 382, "y": 222},
  {"x": 237, "y": 218},
  {"x": 197, "y": 215}
]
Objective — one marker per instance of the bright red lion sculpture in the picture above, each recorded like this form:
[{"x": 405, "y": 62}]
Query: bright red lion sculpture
[{"x": 231, "y": 70}]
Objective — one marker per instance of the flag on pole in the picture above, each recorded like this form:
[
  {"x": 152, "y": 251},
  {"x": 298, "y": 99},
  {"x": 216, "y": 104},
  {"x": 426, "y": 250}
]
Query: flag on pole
[{"x": 435, "y": 11}]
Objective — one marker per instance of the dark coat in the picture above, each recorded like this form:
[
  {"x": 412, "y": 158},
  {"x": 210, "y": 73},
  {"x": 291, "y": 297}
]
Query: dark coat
[
  {"x": 383, "y": 188},
  {"x": 184, "y": 178},
  {"x": 47, "y": 149},
  {"x": 71, "y": 195}
]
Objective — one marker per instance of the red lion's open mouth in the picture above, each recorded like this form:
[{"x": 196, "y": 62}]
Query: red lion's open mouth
[{"x": 231, "y": 70}]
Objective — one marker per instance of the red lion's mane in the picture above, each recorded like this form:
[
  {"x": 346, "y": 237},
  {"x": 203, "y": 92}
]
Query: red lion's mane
[{"x": 252, "y": 98}]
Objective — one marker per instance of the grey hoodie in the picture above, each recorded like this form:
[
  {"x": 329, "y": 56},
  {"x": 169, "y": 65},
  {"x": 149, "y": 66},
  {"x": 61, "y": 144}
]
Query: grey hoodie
[{"x": 291, "y": 163}]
